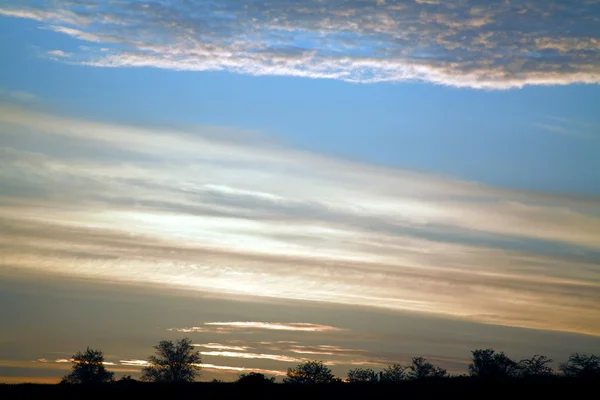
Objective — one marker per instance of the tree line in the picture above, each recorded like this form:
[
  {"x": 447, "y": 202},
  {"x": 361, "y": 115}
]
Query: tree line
[{"x": 178, "y": 361}]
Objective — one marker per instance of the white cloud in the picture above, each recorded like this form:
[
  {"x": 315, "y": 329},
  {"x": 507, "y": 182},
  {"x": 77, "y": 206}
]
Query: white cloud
[
  {"x": 233, "y": 354},
  {"x": 58, "y": 53},
  {"x": 18, "y": 96},
  {"x": 134, "y": 363},
  {"x": 241, "y": 369},
  {"x": 278, "y": 326},
  {"x": 480, "y": 44},
  {"x": 213, "y": 210},
  {"x": 218, "y": 346}
]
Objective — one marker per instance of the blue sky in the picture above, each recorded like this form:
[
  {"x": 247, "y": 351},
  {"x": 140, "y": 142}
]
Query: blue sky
[{"x": 437, "y": 158}]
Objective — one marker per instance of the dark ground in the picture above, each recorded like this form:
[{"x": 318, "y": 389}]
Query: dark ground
[{"x": 456, "y": 388}]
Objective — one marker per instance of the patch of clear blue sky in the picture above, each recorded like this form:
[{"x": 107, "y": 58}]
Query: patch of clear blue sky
[{"x": 493, "y": 137}]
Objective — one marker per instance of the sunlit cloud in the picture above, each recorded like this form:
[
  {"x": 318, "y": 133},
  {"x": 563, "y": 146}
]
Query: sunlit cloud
[
  {"x": 229, "y": 212},
  {"x": 481, "y": 43},
  {"x": 294, "y": 326},
  {"x": 233, "y": 354},
  {"x": 197, "y": 329},
  {"x": 241, "y": 369},
  {"x": 17, "y": 96},
  {"x": 134, "y": 363},
  {"x": 219, "y": 346},
  {"x": 322, "y": 350}
]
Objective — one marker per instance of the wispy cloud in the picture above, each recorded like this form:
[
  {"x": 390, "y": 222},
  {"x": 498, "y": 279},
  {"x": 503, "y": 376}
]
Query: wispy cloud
[
  {"x": 212, "y": 209},
  {"x": 219, "y": 346},
  {"x": 242, "y": 369},
  {"x": 134, "y": 363},
  {"x": 481, "y": 44},
  {"x": 579, "y": 129},
  {"x": 278, "y": 326},
  {"x": 17, "y": 96},
  {"x": 58, "y": 53},
  {"x": 233, "y": 354}
]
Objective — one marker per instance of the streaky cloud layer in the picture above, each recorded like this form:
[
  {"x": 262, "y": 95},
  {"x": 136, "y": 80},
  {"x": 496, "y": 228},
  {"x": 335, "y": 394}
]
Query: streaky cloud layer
[
  {"x": 277, "y": 326},
  {"x": 227, "y": 214},
  {"x": 493, "y": 44}
]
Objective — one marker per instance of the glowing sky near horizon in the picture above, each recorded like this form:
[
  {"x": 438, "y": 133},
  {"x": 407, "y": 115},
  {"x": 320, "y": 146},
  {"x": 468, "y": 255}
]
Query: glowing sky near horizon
[{"x": 235, "y": 154}]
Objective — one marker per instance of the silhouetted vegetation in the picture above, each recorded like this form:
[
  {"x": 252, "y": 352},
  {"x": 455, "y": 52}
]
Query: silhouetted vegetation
[
  {"x": 362, "y": 375},
  {"x": 582, "y": 366},
  {"x": 255, "y": 379},
  {"x": 421, "y": 368},
  {"x": 311, "y": 372},
  {"x": 535, "y": 366},
  {"x": 490, "y": 372},
  {"x": 173, "y": 362},
  {"x": 489, "y": 364},
  {"x": 393, "y": 373},
  {"x": 88, "y": 368}
]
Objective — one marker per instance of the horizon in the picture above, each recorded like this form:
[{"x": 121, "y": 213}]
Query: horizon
[{"x": 357, "y": 182}]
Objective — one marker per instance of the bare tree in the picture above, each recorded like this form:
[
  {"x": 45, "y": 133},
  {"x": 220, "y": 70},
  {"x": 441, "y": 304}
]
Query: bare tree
[
  {"x": 173, "y": 362},
  {"x": 362, "y": 375},
  {"x": 393, "y": 373},
  {"x": 310, "y": 372},
  {"x": 489, "y": 364},
  {"x": 535, "y": 366},
  {"x": 88, "y": 368},
  {"x": 581, "y": 366},
  {"x": 420, "y": 368}
]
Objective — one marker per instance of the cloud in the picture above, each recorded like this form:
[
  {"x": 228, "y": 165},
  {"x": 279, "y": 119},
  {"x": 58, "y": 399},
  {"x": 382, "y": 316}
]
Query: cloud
[
  {"x": 58, "y": 53},
  {"x": 18, "y": 96},
  {"x": 241, "y": 369},
  {"x": 233, "y": 354},
  {"x": 230, "y": 327},
  {"x": 214, "y": 210},
  {"x": 479, "y": 44},
  {"x": 578, "y": 129},
  {"x": 219, "y": 346},
  {"x": 209, "y": 366},
  {"x": 323, "y": 350},
  {"x": 134, "y": 363},
  {"x": 295, "y": 326}
]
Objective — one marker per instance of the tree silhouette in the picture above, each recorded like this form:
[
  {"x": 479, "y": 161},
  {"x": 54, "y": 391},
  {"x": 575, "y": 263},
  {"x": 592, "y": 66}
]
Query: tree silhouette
[
  {"x": 88, "y": 368},
  {"x": 255, "y": 379},
  {"x": 420, "y": 368},
  {"x": 489, "y": 364},
  {"x": 173, "y": 362},
  {"x": 362, "y": 375},
  {"x": 581, "y": 366},
  {"x": 310, "y": 372},
  {"x": 535, "y": 366},
  {"x": 393, "y": 373}
]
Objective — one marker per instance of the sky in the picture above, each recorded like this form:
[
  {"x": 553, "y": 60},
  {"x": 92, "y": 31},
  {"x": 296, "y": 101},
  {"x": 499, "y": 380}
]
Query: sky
[{"x": 358, "y": 182}]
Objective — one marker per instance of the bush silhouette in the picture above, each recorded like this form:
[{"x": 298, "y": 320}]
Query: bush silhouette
[
  {"x": 310, "y": 372},
  {"x": 420, "y": 368},
  {"x": 393, "y": 373},
  {"x": 362, "y": 375},
  {"x": 489, "y": 364},
  {"x": 173, "y": 362},
  {"x": 582, "y": 366},
  {"x": 535, "y": 366},
  {"x": 88, "y": 368},
  {"x": 254, "y": 379}
]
